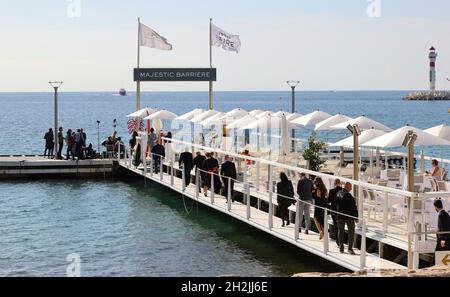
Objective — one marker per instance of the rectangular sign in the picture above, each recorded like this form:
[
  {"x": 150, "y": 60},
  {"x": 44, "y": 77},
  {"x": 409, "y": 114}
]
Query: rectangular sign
[
  {"x": 443, "y": 259},
  {"x": 175, "y": 74}
]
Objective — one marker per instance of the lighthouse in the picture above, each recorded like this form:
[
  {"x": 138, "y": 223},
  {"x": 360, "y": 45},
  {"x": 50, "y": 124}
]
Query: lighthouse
[{"x": 432, "y": 56}]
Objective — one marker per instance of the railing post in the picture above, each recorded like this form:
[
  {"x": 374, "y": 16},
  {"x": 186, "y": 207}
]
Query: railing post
[
  {"x": 246, "y": 190},
  {"x": 212, "y": 187},
  {"x": 416, "y": 252},
  {"x": 144, "y": 160},
  {"x": 410, "y": 252},
  {"x": 297, "y": 219},
  {"x": 171, "y": 173},
  {"x": 270, "y": 199},
  {"x": 118, "y": 154},
  {"x": 229, "y": 194},
  {"x": 325, "y": 233},
  {"x": 183, "y": 178},
  {"x": 385, "y": 213},
  {"x": 360, "y": 203},
  {"x": 151, "y": 164},
  {"x": 197, "y": 183},
  {"x": 258, "y": 175},
  {"x": 363, "y": 245},
  {"x": 161, "y": 168}
]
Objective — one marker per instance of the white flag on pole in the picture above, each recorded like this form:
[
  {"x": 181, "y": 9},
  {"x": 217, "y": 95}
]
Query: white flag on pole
[
  {"x": 228, "y": 42},
  {"x": 150, "y": 38}
]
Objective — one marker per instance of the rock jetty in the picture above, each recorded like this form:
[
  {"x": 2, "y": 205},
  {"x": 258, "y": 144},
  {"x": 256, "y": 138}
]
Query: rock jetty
[{"x": 428, "y": 96}]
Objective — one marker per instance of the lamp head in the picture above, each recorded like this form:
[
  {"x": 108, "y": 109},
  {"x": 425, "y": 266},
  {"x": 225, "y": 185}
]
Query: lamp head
[
  {"x": 55, "y": 84},
  {"x": 293, "y": 83}
]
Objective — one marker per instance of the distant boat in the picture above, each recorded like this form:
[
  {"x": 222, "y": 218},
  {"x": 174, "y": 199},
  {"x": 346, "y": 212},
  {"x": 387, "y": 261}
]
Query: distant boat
[{"x": 122, "y": 92}]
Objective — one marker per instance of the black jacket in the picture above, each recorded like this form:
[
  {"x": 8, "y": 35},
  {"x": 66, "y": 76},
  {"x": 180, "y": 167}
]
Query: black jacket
[
  {"x": 305, "y": 188},
  {"x": 158, "y": 151},
  {"x": 332, "y": 197},
  {"x": 199, "y": 161},
  {"x": 285, "y": 190},
  {"x": 186, "y": 159},
  {"x": 443, "y": 226},
  {"x": 346, "y": 204},
  {"x": 228, "y": 169}
]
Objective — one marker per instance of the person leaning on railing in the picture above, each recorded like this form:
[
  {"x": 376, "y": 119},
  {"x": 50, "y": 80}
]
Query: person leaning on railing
[
  {"x": 347, "y": 215},
  {"x": 443, "y": 240}
]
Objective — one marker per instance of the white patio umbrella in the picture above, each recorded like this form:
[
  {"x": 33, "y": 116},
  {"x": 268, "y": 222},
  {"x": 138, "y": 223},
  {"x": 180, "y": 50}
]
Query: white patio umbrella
[
  {"x": 203, "y": 116},
  {"x": 145, "y": 112},
  {"x": 239, "y": 123},
  {"x": 330, "y": 122},
  {"x": 364, "y": 123},
  {"x": 255, "y": 112},
  {"x": 312, "y": 118},
  {"x": 395, "y": 138},
  {"x": 234, "y": 114},
  {"x": 281, "y": 113},
  {"x": 190, "y": 115},
  {"x": 365, "y": 136},
  {"x": 293, "y": 116},
  {"x": 264, "y": 114},
  {"x": 442, "y": 131},
  {"x": 213, "y": 120},
  {"x": 265, "y": 122},
  {"x": 162, "y": 115}
]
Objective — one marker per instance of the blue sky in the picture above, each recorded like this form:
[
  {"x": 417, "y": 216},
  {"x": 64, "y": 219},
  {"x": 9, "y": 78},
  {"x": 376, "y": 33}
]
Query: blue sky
[{"x": 327, "y": 44}]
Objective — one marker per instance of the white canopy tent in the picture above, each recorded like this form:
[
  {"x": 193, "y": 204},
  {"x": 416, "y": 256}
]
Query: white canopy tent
[
  {"x": 145, "y": 112},
  {"x": 364, "y": 123},
  {"x": 162, "y": 115},
  {"x": 266, "y": 122},
  {"x": 442, "y": 131},
  {"x": 327, "y": 124},
  {"x": 281, "y": 113},
  {"x": 311, "y": 119},
  {"x": 212, "y": 120},
  {"x": 190, "y": 115},
  {"x": 242, "y": 122}
]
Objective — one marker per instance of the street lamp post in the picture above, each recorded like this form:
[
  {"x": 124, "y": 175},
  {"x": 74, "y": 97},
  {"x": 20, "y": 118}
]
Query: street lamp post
[
  {"x": 293, "y": 84},
  {"x": 409, "y": 141},
  {"x": 356, "y": 132},
  {"x": 56, "y": 85}
]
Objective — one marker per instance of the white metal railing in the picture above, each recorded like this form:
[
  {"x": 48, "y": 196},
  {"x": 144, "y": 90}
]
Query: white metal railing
[{"x": 252, "y": 188}]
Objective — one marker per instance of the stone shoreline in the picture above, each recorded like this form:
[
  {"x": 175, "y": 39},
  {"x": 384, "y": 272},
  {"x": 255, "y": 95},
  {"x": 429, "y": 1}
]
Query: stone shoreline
[{"x": 426, "y": 272}]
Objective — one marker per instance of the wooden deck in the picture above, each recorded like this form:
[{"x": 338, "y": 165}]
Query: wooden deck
[{"x": 260, "y": 220}]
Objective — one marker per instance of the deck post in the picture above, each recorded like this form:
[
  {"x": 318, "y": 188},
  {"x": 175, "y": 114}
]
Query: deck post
[
  {"x": 270, "y": 199},
  {"x": 360, "y": 204},
  {"x": 118, "y": 154},
  {"x": 258, "y": 174},
  {"x": 161, "y": 168},
  {"x": 151, "y": 164},
  {"x": 229, "y": 194},
  {"x": 416, "y": 253},
  {"x": 171, "y": 174},
  {"x": 197, "y": 183},
  {"x": 363, "y": 245},
  {"x": 326, "y": 233},
  {"x": 385, "y": 213},
  {"x": 246, "y": 190},
  {"x": 212, "y": 187},
  {"x": 297, "y": 219},
  {"x": 144, "y": 160},
  {"x": 183, "y": 179}
]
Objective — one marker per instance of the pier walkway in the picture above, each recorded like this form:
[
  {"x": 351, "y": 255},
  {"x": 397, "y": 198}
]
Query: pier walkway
[{"x": 258, "y": 207}]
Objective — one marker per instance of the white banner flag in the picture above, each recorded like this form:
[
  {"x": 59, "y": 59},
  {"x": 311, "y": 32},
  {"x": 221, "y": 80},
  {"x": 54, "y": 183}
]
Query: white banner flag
[
  {"x": 150, "y": 38},
  {"x": 222, "y": 39}
]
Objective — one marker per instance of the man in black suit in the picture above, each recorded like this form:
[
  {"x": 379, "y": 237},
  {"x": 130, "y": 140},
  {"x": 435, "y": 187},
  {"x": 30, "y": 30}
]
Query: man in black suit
[
  {"x": 158, "y": 152},
  {"x": 186, "y": 162},
  {"x": 228, "y": 171},
  {"x": 332, "y": 204},
  {"x": 348, "y": 212},
  {"x": 305, "y": 188},
  {"x": 199, "y": 163},
  {"x": 443, "y": 240}
]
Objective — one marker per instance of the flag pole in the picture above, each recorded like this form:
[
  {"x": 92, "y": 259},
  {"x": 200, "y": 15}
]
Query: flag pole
[
  {"x": 210, "y": 65},
  {"x": 138, "y": 83}
]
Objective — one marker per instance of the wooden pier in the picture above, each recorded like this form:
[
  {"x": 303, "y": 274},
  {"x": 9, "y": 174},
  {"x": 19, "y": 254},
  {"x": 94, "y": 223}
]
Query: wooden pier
[{"x": 29, "y": 167}]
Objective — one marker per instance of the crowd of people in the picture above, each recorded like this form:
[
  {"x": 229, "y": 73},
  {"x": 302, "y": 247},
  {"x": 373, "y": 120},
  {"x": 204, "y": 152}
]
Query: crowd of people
[{"x": 74, "y": 141}]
